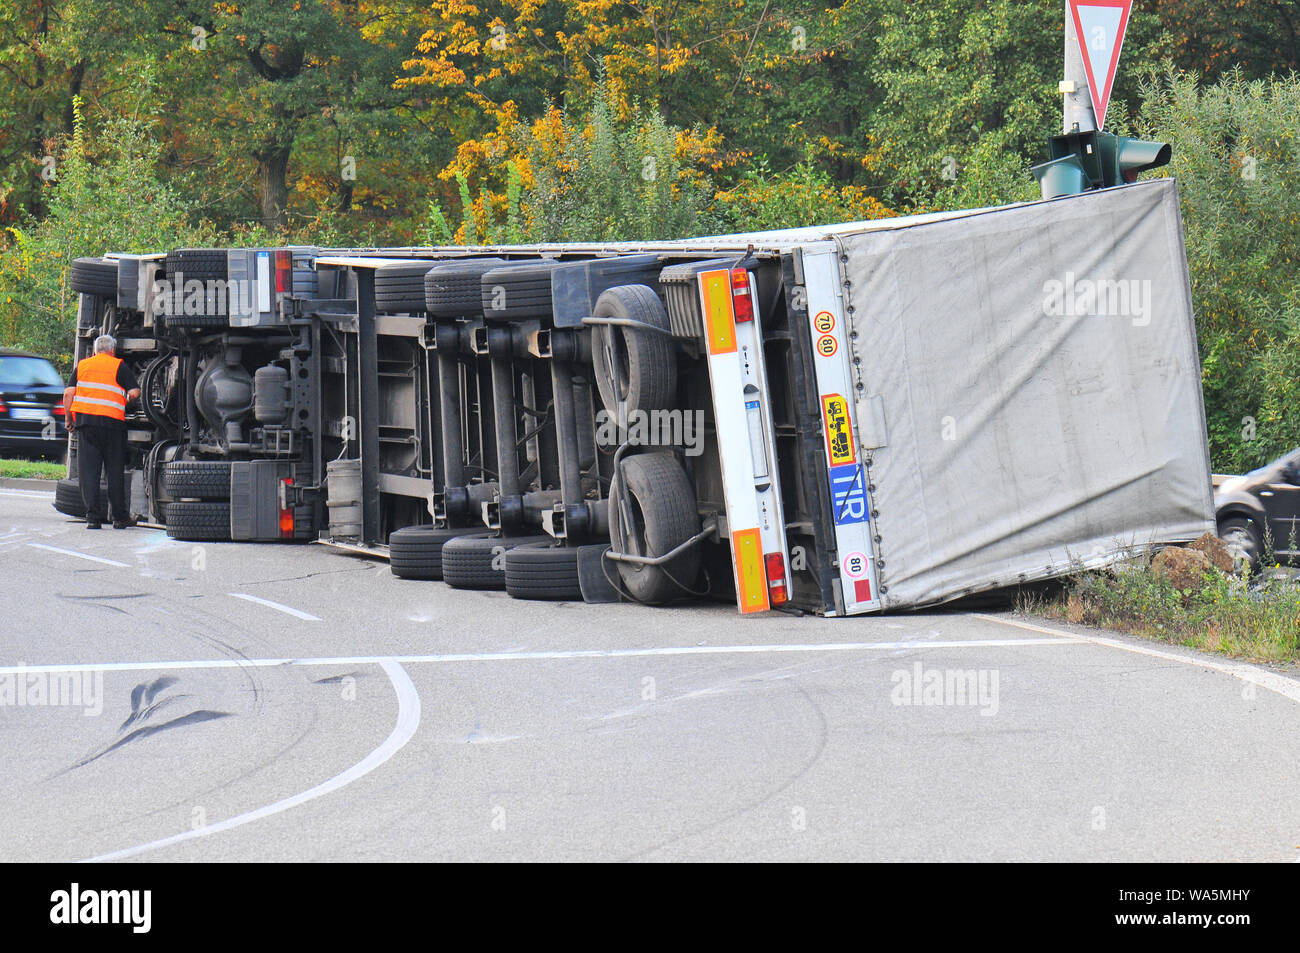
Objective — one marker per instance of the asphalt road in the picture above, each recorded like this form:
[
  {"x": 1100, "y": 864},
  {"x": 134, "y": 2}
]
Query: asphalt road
[{"x": 349, "y": 715}]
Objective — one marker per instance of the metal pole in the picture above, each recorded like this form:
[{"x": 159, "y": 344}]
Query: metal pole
[{"x": 1078, "y": 100}]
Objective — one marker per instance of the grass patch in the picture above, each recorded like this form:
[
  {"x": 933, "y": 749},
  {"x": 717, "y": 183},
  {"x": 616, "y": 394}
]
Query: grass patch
[
  {"x": 1257, "y": 620},
  {"x": 32, "y": 470}
]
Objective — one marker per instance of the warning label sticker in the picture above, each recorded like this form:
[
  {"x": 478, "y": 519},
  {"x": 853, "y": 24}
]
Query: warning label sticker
[{"x": 839, "y": 429}]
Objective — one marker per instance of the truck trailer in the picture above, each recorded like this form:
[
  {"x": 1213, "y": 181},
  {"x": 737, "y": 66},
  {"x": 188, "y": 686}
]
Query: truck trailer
[{"x": 843, "y": 419}]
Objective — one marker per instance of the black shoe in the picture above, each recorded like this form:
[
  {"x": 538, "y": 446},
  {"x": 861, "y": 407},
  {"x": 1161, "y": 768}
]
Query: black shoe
[
  {"x": 123, "y": 524},
  {"x": 94, "y": 524}
]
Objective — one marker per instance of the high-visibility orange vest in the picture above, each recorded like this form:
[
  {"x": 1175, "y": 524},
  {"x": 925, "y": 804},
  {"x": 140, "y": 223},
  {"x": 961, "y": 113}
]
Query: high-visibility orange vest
[{"x": 97, "y": 391}]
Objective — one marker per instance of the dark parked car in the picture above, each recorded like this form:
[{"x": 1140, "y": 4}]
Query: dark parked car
[
  {"x": 31, "y": 406},
  {"x": 1259, "y": 513}
]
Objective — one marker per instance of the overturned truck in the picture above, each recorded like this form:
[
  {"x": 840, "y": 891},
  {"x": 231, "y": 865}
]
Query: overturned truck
[{"x": 838, "y": 419}]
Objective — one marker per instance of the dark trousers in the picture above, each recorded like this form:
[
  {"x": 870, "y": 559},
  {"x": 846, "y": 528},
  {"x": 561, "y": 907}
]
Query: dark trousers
[{"x": 102, "y": 448}]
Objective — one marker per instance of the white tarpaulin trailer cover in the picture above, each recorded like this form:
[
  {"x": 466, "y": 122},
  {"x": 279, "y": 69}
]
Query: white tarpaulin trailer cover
[{"x": 1028, "y": 390}]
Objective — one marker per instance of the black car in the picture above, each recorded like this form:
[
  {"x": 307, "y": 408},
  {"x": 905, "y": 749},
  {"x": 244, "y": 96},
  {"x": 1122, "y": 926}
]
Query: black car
[
  {"x": 1259, "y": 513},
  {"x": 31, "y": 406}
]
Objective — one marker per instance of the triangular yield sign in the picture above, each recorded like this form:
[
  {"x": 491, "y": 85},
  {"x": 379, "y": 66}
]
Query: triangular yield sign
[{"x": 1100, "y": 25}]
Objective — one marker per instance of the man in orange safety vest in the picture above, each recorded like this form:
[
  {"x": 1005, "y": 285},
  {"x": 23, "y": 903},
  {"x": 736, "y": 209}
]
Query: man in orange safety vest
[{"x": 96, "y": 398}]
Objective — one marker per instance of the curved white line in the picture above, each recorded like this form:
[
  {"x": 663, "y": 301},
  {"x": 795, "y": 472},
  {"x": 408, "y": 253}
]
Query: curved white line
[{"x": 408, "y": 720}]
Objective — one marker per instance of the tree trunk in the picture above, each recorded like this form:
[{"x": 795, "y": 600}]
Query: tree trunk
[{"x": 273, "y": 181}]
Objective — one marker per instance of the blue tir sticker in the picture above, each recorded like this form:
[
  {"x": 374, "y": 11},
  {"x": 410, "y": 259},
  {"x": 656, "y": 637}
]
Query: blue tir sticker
[
  {"x": 751, "y": 405},
  {"x": 848, "y": 494}
]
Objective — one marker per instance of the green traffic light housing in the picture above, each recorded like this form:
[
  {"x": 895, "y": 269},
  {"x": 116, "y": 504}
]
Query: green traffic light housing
[{"x": 1081, "y": 161}]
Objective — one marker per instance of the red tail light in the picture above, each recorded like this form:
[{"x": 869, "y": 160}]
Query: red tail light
[
  {"x": 58, "y": 409},
  {"x": 3, "y": 409},
  {"x": 283, "y": 272},
  {"x": 286, "y": 510},
  {"x": 777, "y": 591},
  {"x": 742, "y": 302}
]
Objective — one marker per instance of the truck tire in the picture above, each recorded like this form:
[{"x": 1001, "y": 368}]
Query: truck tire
[
  {"x": 415, "y": 552},
  {"x": 658, "y": 495},
  {"x": 475, "y": 561},
  {"x": 197, "y": 479},
  {"x": 1243, "y": 542},
  {"x": 454, "y": 290},
  {"x": 399, "y": 289},
  {"x": 201, "y": 264},
  {"x": 68, "y": 501},
  {"x": 516, "y": 292},
  {"x": 634, "y": 369},
  {"x": 94, "y": 276},
  {"x": 198, "y": 521},
  {"x": 543, "y": 570}
]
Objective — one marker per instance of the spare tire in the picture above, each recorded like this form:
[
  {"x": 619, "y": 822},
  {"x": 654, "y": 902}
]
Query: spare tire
[
  {"x": 198, "y": 521},
  {"x": 201, "y": 264},
  {"x": 415, "y": 552},
  {"x": 399, "y": 289},
  {"x": 514, "y": 292},
  {"x": 661, "y": 515},
  {"x": 476, "y": 561},
  {"x": 94, "y": 276},
  {"x": 635, "y": 369},
  {"x": 543, "y": 570},
  {"x": 454, "y": 290},
  {"x": 197, "y": 479}
]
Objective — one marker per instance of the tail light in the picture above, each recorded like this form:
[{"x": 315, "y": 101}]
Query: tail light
[
  {"x": 286, "y": 509},
  {"x": 3, "y": 408},
  {"x": 742, "y": 302},
  {"x": 777, "y": 590},
  {"x": 58, "y": 409},
  {"x": 283, "y": 272}
]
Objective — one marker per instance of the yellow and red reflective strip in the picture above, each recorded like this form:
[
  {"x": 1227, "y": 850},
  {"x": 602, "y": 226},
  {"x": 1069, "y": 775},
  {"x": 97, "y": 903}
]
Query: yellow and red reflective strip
[
  {"x": 751, "y": 579},
  {"x": 719, "y": 318}
]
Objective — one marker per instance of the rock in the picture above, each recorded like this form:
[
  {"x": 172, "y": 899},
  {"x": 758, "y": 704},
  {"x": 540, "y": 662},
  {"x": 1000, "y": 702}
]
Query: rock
[
  {"x": 1184, "y": 568},
  {"x": 1215, "y": 550}
]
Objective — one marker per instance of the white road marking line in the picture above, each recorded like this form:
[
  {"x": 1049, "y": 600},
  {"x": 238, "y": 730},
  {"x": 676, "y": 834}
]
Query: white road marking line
[
  {"x": 289, "y": 610},
  {"x": 28, "y": 494},
  {"x": 408, "y": 721},
  {"x": 522, "y": 656},
  {"x": 1286, "y": 687},
  {"x": 73, "y": 552}
]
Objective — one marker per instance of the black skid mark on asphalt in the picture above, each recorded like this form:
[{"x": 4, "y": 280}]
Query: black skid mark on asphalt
[
  {"x": 311, "y": 575},
  {"x": 336, "y": 679},
  {"x": 123, "y": 595},
  {"x": 193, "y": 718},
  {"x": 147, "y": 700},
  {"x": 142, "y": 697},
  {"x": 103, "y": 601}
]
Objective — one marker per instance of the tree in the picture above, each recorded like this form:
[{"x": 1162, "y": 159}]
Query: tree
[{"x": 1215, "y": 36}]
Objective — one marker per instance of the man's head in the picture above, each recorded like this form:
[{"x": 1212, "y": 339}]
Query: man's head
[{"x": 105, "y": 344}]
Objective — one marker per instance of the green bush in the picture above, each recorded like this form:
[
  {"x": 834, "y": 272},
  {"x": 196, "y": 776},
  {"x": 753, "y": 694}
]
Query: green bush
[
  {"x": 612, "y": 172},
  {"x": 806, "y": 195},
  {"x": 1259, "y": 620}
]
